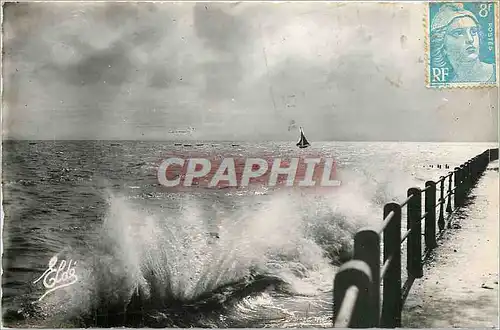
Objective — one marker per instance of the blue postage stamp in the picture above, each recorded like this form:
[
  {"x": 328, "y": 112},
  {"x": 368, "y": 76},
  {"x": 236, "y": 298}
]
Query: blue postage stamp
[{"x": 461, "y": 44}]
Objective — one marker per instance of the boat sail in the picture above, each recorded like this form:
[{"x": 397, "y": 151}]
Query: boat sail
[{"x": 303, "y": 143}]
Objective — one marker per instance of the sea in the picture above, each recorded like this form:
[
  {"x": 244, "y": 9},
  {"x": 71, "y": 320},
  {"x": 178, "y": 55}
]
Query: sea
[{"x": 143, "y": 255}]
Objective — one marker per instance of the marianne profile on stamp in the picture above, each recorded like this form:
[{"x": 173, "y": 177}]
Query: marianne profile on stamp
[{"x": 455, "y": 37}]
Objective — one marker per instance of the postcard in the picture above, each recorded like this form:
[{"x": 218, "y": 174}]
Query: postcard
[{"x": 250, "y": 164}]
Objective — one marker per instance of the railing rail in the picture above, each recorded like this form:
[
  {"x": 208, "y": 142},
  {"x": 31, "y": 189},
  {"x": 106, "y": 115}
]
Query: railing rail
[{"x": 357, "y": 302}]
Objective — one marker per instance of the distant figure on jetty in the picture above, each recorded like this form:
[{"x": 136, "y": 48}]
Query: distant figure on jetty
[{"x": 438, "y": 166}]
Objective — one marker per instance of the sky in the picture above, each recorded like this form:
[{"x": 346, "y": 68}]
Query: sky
[{"x": 232, "y": 71}]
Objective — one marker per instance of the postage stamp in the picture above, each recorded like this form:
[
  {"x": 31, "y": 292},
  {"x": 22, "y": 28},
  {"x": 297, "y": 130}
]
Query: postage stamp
[
  {"x": 461, "y": 44},
  {"x": 215, "y": 164}
]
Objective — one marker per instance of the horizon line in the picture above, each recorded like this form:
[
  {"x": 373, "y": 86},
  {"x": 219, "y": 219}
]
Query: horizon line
[{"x": 247, "y": 141}]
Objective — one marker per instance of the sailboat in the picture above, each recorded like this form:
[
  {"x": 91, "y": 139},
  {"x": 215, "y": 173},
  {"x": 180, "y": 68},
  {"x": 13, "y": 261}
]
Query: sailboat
[{"x": 303, "y": 143}]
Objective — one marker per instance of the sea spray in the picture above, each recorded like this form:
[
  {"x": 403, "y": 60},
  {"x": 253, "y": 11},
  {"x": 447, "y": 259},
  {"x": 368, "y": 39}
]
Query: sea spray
[{"x": 154, "y": 260}]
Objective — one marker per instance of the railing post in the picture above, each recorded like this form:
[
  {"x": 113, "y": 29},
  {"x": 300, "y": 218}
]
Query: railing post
[
  {"x": 492, "y": 154},
  {"x": 486, "y": 160},
  {"x": 465, "y": 179},
  {"x": 354, "y": 273},
  {"x": 479, "y": 162},
  {"x": 367, "y": 249},
  {"x": 441, "y": 204},
  {"x": 449, "y": 209},
  {"x": 456, "y": 194},
  {"x": 430, "y": 217},
  {"x": 474, "y": 169},
  {"x": 414, "y": 250},
  {"x": 463, "y": 184},
  {"x": 477, "y": 167},
  {"x": 459, "y": 185},
  {"x": 391, "y": 302},
  {"x": 468, "y": 173}
]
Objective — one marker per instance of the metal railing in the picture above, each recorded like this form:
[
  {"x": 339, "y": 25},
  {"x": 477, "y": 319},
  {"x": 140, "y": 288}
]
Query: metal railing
[{"x": 357, "y": 300}]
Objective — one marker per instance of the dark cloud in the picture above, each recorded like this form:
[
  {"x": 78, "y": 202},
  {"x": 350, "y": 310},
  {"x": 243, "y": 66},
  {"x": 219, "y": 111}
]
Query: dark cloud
[
  {"x": 111, "y": 65},
  {"x": 116, "y": 14},
  {"x": 219, "y": 29},
  {"x": 229, "y": 36},
  {"x": 222, "y": 78},
  {"x": 233, "y": 71},
  {"x": 160, "y": 79}
]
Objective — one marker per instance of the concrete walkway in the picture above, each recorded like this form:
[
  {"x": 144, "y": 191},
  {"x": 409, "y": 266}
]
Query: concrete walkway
[{"x": 460, "y": 283}]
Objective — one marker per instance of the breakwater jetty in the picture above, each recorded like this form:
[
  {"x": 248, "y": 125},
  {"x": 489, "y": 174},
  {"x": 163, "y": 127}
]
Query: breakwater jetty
[{"x": 369, "y": 290}]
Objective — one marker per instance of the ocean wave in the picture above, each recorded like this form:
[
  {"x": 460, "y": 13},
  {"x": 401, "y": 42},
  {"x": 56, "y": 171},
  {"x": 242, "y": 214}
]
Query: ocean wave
[{"x": 141, "y": 268}]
